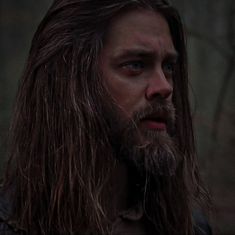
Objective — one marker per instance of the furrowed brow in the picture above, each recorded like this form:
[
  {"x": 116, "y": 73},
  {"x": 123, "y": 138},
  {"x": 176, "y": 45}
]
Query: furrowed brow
[
  {"x": 134, "y": 53},
  {"x": 171, "y": 55}
]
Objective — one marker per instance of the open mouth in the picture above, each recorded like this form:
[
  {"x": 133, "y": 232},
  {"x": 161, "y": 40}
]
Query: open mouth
[{"x": 154, "y": 123}]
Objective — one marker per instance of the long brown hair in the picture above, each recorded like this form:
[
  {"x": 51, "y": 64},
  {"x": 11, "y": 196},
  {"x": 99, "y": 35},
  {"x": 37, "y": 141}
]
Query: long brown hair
[{"x": 61, "y": 155}]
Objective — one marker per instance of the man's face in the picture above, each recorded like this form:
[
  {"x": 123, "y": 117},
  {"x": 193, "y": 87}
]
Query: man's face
[{"x": 137, "y": 64}]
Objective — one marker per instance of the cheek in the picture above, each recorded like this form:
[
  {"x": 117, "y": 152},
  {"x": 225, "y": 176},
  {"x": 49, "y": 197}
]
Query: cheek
[{"x": 128, "y": 96}]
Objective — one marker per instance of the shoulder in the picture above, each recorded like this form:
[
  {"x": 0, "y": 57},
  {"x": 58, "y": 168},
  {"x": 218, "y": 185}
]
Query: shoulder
[
  {"x": 201, "y": 225},
  {"x": 6, "y": 227}
]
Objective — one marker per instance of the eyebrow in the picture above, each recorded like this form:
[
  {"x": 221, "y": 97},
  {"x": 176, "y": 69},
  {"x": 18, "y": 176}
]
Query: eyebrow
[{"x": 122, "y": 54}]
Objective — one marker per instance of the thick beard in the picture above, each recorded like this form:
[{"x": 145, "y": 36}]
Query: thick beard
[
  {"x": 154, "y": 165},
  {"x": 156, "y": 158},
  {"x": 150, "y": 152}
]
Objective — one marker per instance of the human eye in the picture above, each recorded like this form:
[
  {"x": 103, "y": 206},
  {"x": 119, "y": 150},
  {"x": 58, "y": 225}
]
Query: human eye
[
  {"x": 133, "y": 68},
  {"x": 169, "y": 68}
]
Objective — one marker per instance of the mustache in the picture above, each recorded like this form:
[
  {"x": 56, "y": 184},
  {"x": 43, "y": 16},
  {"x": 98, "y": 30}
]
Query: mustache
[{"x": 157, "y": 109}]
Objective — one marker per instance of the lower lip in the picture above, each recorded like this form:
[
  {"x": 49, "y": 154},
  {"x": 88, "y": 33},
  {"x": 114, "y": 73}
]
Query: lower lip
[{"x": 161, "y": 126}]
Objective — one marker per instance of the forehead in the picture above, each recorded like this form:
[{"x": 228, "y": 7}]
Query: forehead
[{"x": 139, "y": 29}]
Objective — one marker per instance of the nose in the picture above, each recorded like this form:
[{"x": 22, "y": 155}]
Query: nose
[{"x": 159, "y": 86}]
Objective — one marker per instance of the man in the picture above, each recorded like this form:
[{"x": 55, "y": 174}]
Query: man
[{"x": 102, "y": 139}]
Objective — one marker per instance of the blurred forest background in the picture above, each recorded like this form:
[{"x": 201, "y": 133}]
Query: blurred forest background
[{"x": 210, "y": 27}]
